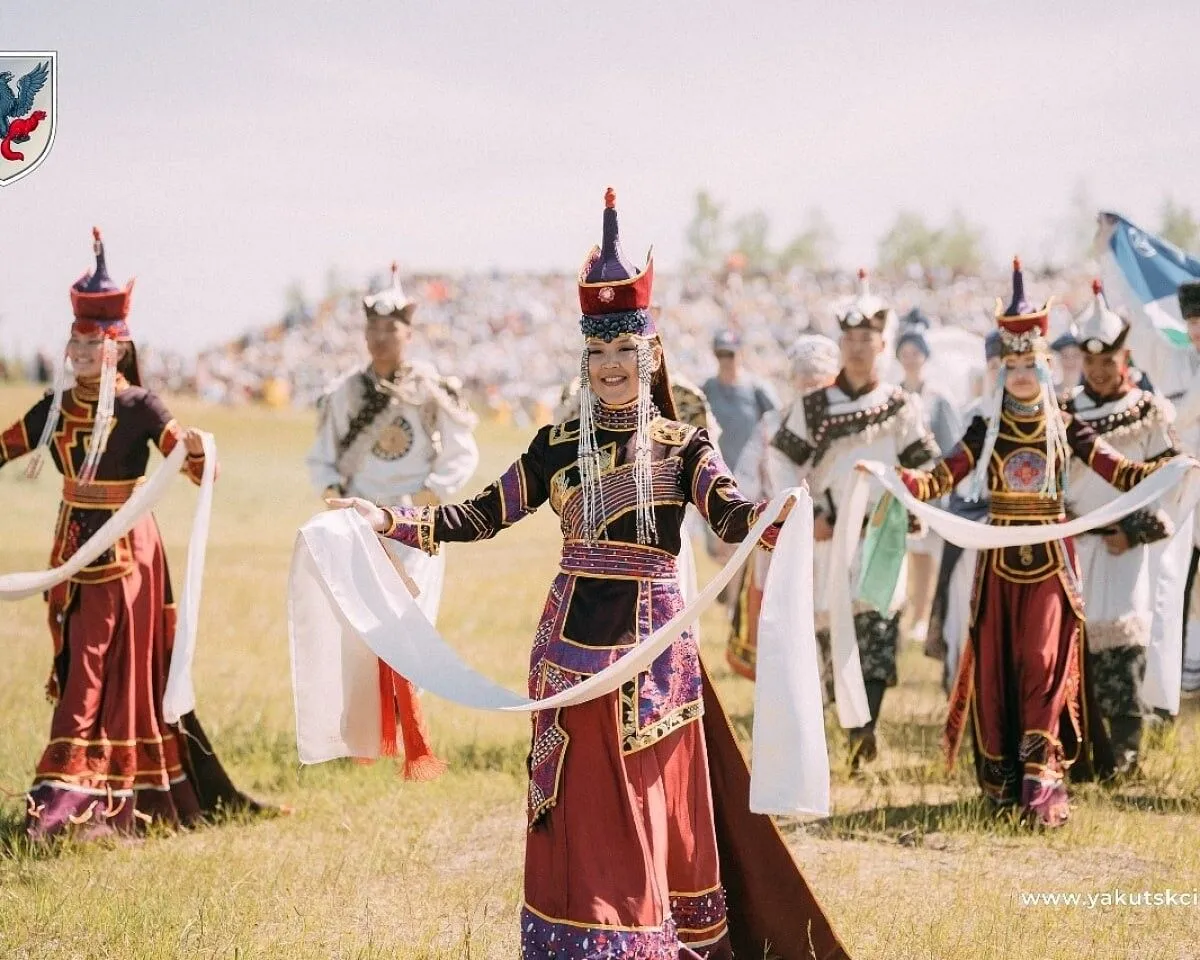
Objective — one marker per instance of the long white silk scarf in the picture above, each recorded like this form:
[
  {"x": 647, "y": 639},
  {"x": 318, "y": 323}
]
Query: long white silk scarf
[
  {"x": 852, "y": 709},
  {"x": 347, "y": 606},
  {"x": 179, "y": 696},
  {"x": 1168, "y": 562}
]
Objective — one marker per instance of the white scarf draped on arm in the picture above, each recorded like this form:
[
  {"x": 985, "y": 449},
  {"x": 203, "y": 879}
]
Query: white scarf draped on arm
[
  {"x": 347, "y": 606},
  {"x": 179, "y": 697}
]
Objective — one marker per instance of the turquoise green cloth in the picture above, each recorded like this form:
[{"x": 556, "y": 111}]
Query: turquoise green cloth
[{"x": 883, "y": 553}]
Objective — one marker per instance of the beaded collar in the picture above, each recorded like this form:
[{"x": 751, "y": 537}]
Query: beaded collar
[
  {"x": 1020, "y": 408},
  {"x": 618, "y": 419}
]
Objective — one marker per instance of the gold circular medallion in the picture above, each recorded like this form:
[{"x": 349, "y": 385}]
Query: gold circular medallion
[{"x": 394, "y": 440}]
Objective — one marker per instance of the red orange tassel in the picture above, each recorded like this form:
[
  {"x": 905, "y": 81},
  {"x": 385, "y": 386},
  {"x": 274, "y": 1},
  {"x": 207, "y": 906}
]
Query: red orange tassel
[{"x": 401, "y": 714}]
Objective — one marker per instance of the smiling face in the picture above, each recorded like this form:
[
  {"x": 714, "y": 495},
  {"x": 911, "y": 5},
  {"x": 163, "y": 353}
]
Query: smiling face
[
  {"x": 1105, "y": 372},
  {"x": 613, "y": 369},
  {"x": 86, "y": 353},
  {"x": 1020, "y": 378}
]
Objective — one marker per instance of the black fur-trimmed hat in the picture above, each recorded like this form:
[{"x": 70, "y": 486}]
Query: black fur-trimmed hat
[{"x": 1189, "y": 300}]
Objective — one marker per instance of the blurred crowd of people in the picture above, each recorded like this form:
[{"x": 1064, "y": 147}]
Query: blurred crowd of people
[{"x": 512, "y": 339}]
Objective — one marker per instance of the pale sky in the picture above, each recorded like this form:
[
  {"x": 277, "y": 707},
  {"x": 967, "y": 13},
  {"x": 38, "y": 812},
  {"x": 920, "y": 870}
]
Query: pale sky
[{"x": 228, "y": 148}]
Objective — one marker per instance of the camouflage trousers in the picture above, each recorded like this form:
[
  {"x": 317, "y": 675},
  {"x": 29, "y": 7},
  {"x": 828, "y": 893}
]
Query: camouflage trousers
[
  {"x": 1116, "y": 676},
  {"x": 877, "y": 636}
]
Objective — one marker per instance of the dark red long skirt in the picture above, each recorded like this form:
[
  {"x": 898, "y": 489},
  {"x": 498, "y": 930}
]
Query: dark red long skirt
[
  {"x": 655, "y": 854},
  {"x": 113, "y": 764}
]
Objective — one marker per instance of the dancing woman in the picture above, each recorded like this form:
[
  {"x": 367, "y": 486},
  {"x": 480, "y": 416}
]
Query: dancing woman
[
  {"x": 1022, "y": 676},
  {"x": 113, "y": 763},
  {"x": 641, "y": 842}
]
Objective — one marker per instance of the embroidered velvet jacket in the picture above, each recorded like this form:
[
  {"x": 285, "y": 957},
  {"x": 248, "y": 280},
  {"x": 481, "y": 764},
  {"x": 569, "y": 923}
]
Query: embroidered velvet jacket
[
  {"x": 612, "y": 594},
  {"x": 140, "y": 419}
]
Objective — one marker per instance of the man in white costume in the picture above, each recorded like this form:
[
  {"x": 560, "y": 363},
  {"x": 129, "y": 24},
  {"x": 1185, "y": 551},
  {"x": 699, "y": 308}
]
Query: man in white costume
[
  {"x": 1116, "y": 562},
  {"x": 397, "y": 433},
  {"x": 820, "y": 441},
  {"x": 950, "y": 615},
  {"x": 1175, "y": 372}
]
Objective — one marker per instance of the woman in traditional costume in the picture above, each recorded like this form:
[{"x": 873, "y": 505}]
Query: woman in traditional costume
[
  {"x": 641, "y": 842},
  {"x": 1022, "y": 675},
  {"x": 113, "y": 764}
]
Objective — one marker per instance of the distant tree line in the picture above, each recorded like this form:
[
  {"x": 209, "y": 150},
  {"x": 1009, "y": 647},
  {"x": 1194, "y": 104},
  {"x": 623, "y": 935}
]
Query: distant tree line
[{"x": 718, "y": 240}]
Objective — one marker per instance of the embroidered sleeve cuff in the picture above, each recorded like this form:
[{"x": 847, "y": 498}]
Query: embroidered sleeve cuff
[
  {"x": 1146, "y": 526},
  {"x": 769, "y": 538},
  {"x": 413, "y": 527},
  {"x": 927, "y": 485},
  {"x": 1129, "y": 473}
]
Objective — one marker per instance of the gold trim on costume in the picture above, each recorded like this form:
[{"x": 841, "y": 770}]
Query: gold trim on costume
[
  {"x": 84, "y": 777},
  {"x": 1025, "y": 506},
  {"x": 589, "y": 925},
  {"x": 671, "y": 433},
  {"x": 562, "y": 433},
  {"x": 104, "y": 741},
  {"x": 591, "y": 258},
  {"x": 99, "y": 493},
  {"x": 635, "y": 737},
  {"x": 697, "y": 893}
]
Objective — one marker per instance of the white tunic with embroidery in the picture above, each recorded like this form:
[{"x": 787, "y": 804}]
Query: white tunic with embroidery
[
  {"x": 825, "y": 433},
  {"x": 421, "y": 440},
  {"x": 1119, "y": 594}
]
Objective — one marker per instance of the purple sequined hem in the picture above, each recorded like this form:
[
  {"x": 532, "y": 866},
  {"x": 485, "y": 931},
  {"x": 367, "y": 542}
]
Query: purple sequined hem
[{"x": 543, "y": 939}]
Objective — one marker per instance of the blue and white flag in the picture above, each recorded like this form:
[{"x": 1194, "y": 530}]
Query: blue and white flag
[{"x": 1144, "y": 271}]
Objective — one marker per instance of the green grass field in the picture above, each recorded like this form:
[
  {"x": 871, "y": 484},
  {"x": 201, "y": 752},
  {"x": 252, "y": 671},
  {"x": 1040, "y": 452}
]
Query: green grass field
[{"x": 910, "y": 865}]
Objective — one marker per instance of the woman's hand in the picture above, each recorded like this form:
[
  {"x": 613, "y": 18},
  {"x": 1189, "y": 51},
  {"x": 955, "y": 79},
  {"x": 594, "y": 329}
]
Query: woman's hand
[
  {"x": 786, "y": 510},
  {"x": 1116, "y": 543},
  {"x": 377, "y": 517},
  {"x": 193, "y": 440}
]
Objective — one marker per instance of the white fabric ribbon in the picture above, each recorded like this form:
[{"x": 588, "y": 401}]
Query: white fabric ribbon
[
  {"x": 1164, "y": 659},
  {"x": 347, "y": 606},
  {"x": 179, "y": 696},
  {"x": 851, "y": 695}
]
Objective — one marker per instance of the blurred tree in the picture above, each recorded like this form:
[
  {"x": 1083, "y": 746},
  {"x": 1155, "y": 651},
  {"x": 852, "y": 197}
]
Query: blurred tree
[
  {"x": 750, "y": 233},
  {"x": 959, "y": 247},
  {"x": 812, "y": 248},
  {"x": 909, "y": 241},
  {"x": 912, "y": 245},
  {"x": 1179, "y": 226},
  {"x": 294, "y": 299},
  {"x": 705, "y": 233}
]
